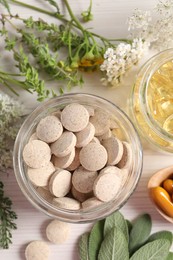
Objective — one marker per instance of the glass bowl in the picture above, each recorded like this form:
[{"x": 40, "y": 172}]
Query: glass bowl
[
  {"x": 151, "y": 103},
  {"x": 129, "y": 134}
]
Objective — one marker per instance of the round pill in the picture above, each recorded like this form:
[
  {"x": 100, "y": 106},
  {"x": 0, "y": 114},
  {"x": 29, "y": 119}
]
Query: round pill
[
  {"x": 45, "y": 194},
  {"x": 106, "y": 135},
  {"x": 58, "y": 232},
  {"x": 64, "y": 145},
  {"x": 100, "y": 120},
  {"x": 49, "y": 129},
  {"x": 90, "y": 110},
  {"x": 106, "y": 186},
  {"x": 64, "y": 162},
  {"x": 83, "y": 180},
  {"x": 36, "y": 154},
  {"x": 114, "y": 148},
  {"x": 85, "y": 136},
  {"x": 93, "y": 156},
  {"x": 76, "y": 162},
  {"x": 60, "y": 183},
  {"x": 95, "y": 140},
  {"x": 79, "y": 195},
  {"x": 91, "y": 203},
  {"x": 126, "y": 159},
  {"x": 33, "y": 137},
  {"x": 37, "y": 250},
  {"x": 40, "y": 176},
  {"x": 66, "y": 203},
  {"x": 74, "y": 117},
  {"x": 57, "y": 113}
]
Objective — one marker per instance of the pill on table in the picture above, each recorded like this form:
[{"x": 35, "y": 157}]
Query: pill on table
[
  {"x": 83, "y": 179},
  {"x": 114, "y": 148},
  {"x": 126, "y": 159},
  {"x": 66, "y": 203},
  {"x": 58, "y": 232},
  {"x": 49, "y": 129},
  {"x": 79, "y": 195},
  {"x": 100, "y": 120},
  {"x": 36, "y": 154},
  {"x": 37, "y": 250},
  {"x": 93, "y": 156},
  {"x": 106, "y": 186},
  {"x": 76, "y": 162},
  {"x": 45, "y": 194},
  {"x": 40, "y": 176},
  {"x": 64, "y": 145},
  {"x": 85, "y": 136},
  {"x": 91, "y": 203},
  {"x": 74, "y": 117},
  {"x": 60, "y": 183},
  {"x": 64, "y": 162}
]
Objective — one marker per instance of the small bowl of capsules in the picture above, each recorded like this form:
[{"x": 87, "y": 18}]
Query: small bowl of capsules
[
  {"x": 160, "y": 188},
  {"x": 78, "y": 158}
]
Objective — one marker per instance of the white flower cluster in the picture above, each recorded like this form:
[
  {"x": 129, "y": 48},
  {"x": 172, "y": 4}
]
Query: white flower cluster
[
  {"x": 155, "y": 27},
  {"x": 117, "y": 61},
  {"x": 10, "y": 111}
]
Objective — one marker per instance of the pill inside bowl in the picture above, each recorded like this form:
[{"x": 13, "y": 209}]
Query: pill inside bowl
[{"x": 78, "y": 157}]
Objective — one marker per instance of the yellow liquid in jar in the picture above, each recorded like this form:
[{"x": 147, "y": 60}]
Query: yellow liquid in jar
[
  {"x": 160, "y": 103},
  {"x": 160, "y": 97}
]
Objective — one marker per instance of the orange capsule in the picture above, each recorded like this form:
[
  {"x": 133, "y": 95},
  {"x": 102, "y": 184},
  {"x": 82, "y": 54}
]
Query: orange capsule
[
  {"x": 162, "y": 199},
  {"x": 168, "y": 186}
]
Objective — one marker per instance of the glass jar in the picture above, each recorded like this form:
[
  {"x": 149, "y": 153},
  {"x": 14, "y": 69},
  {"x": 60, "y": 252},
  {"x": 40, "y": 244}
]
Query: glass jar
[
  {"x": 129, "y": 133},
  {"x": 151, "y": 102}
]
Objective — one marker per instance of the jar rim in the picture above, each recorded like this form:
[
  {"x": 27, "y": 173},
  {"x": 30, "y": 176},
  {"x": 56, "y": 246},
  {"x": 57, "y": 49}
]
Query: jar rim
[{"x": 20, "y": 170}]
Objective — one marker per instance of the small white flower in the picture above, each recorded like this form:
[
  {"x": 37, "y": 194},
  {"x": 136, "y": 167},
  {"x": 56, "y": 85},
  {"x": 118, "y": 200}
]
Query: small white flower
[
  {"x": 139, "y": 19},
  {"x": 118, "y": 61}
]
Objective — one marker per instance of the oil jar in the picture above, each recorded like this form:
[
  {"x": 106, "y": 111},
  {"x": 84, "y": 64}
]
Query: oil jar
[{"x": 151, "y": 102}]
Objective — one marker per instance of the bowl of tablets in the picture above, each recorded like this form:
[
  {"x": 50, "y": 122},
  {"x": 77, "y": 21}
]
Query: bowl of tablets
[
  {"x": 77, "y": 158},
  {"x": 151, "y": 101}
]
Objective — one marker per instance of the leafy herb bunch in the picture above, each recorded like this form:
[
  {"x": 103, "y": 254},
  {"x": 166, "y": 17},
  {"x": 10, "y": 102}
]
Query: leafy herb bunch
[
  {"x": 116, "y": 238},
  {"x": 37, "y": 47}
]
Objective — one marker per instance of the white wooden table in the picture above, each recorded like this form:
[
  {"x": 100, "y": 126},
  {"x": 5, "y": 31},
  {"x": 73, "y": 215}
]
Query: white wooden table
[{"x": 110, "y": 19}]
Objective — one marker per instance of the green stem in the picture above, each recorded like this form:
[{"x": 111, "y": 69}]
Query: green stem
[
  {"x": 35, "y": 8},
  {"x": 73, "y": 16}
]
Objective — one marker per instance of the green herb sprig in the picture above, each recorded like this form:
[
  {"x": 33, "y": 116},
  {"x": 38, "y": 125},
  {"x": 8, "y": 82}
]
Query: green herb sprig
[
  {"x": 82, "y": 49},
  {"x": 7, "y": 217},
  {"x": 117, "y": 239}
]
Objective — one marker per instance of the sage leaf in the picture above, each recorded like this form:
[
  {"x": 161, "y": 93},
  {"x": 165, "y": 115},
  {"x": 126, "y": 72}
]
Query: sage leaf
[
  {"x": 140, "y": 232},
  {"x": 95, "y": 240},
  {"x": 116, "y": 220},
  {"x": 83, "y": 246},
  {"x": 129, "y": 226},
  {"x": 161, "y": 234},
  {"x": 114, "y": 246},
  {"x": 170, "y": 256},
  {"x": 155, "y": 250}
]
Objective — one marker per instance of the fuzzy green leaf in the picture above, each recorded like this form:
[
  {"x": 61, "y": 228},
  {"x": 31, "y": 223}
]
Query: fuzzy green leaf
[
  {"x": 155, "y": 250},
  {"x": 114, "y": 246},
  {"x": 140, "y": 232},
  {"x": 161, "y": 235},
  {"x": 95, "y": 240},
  {"x": 129, "y": 225},
  {"x": 170, "y": 256},
  {"x": 83, "y": 246},
  {"x": 116, "y": 220}
]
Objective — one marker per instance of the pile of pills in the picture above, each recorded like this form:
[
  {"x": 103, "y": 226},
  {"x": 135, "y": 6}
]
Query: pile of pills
[{"x": 76, "y": 158}]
